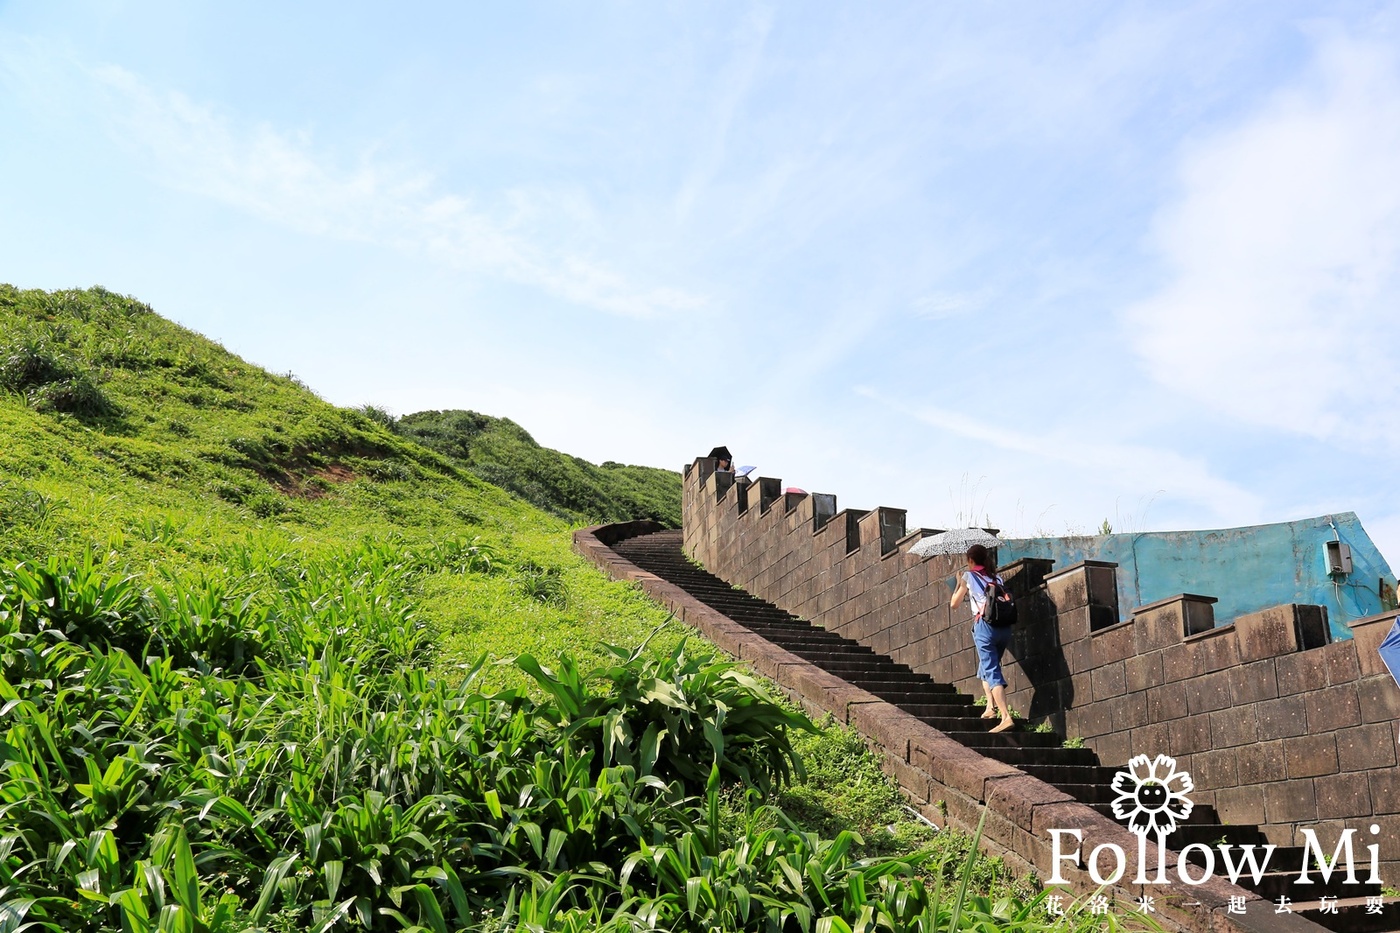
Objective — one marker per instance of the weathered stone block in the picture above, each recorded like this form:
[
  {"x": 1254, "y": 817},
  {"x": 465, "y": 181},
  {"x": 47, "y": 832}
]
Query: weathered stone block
[
  {"x": 1290, "y": 802},
  {"x": 1385, "y": 788},
  {"x": 1177, "y": 663},
  {"x": 955, "y": 765},
  {"x": 1079, "y": 658},
  {"x": 1333, "y": 708},
  {"x": 1188, "y": 736},
  {"x": 1259, "y": 763},
  {"x": 1340, "y": 658},
  {"x": 1166, "y": 702},
  {"x": 1231, "y": 727},
  {"x": 1342, "y": 796},
  {"x": 1108, "y": 681},
  {"x": 1016, "y": 798},
  {"x": 1143, "y": 671},
  {"x": 1281, "y": 718},
  {"x": 1068, "y": 589},
  {"x": 1310, "y": 755},
  {"x": 1379, "y": 698},
  {"x": 1151, "y": 739},
  {"x": 1367, "y": 635},
  {"x": 1254, "y": 681},
  {"x": 1365, "y": 747},
  {"x": 1158, "y": 625},
  {"x": 1214, "y": 650},
  {"x": 1081, "y": 685},
  {"x": 888, "y": 724},
  {"x": 1240, "y": 805},
  {"x": 1128, "y": 711},
  {"x": 1089, "y": 721},
  {"x": 915, "y": 782},
  {"x": 1303, "y": 672},
  {"x": 1215, "y": 769},
  {"x": 1113, "y": 749},
  {"x": 1209, "y": 692},
  {"x": 1112, "y": 644},
  {"x": 1267, "y": 633}
]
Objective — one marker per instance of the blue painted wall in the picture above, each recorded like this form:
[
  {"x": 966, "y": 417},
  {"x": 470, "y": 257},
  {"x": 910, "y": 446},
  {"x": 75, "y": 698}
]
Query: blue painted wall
[{"x": 1247, "y": 569}]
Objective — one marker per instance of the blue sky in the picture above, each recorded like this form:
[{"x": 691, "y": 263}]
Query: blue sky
[{"x": 1034, "y": 265}]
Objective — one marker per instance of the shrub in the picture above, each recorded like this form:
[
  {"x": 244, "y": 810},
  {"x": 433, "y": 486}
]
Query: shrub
[
  {"x": 541, "y": 584},
  {"x": 31, "y": 362},
  {"x": 50, "y": 380},
  {"x": 378, "y": 415}
]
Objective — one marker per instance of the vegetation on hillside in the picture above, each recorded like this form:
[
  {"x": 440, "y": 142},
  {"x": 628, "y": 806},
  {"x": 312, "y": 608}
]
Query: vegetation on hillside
[
  {"x": 270, "y": 666},
  {"x": 504, "y": 454}
]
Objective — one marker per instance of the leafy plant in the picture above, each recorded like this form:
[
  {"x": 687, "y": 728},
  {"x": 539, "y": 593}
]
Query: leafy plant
[{"x": 541, "y": 584}]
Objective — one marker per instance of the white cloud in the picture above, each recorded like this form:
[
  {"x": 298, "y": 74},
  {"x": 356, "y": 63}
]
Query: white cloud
[
  {"x": 1104, "y": 465},
  {"x": 280, "y": 177},
  {"x": 941, "y": 305},
  {"x": 1283, "y": 249},
  {"x": 733, "y": 87}
]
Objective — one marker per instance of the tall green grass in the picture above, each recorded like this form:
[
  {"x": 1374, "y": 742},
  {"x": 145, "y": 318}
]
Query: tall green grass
[
  {"x": 268, "y": 665},
  {"x": 266, "y": 752}
]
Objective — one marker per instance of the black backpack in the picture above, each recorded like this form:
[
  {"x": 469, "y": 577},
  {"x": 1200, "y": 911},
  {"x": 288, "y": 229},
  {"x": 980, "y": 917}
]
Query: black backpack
[{"x": 999, "y": 610}]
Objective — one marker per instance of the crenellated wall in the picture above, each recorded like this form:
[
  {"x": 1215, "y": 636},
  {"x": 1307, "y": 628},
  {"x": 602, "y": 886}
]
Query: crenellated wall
[{"x": 1279, "y": 725}]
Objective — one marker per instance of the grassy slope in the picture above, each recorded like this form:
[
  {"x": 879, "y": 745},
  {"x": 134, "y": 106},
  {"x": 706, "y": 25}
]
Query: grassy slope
[
  {"x": 501, "y": 452},
  {"x": 197, "y": 448},
  {"x": 171, "y": 449}
]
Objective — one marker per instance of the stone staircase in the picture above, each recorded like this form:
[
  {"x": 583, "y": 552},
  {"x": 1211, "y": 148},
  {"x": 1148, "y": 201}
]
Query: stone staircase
[{"x": 1076, "y": 771}]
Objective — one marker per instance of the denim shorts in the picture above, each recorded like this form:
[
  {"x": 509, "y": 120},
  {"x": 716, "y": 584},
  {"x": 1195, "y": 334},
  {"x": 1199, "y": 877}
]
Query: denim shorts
[{"x": 990, "y": 642}]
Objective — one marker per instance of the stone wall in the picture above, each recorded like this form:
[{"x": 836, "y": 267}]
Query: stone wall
[
  {"x": 1277, "y": 725},
  {"x": 946, "y": 781}
]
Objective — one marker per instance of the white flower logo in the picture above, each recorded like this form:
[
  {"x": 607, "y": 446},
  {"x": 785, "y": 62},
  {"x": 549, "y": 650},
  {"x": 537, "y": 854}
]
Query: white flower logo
[{"x": 1152, "y": 795}]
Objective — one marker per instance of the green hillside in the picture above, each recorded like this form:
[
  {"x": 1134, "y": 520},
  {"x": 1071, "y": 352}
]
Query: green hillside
[
  {"x": 256, "y": 676},
  {"x": 126, "y": 431},
  {"x": 504, "y": 454}
]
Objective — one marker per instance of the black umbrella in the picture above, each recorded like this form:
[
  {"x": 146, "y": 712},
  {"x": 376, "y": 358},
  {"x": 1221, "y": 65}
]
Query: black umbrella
[{"x": 721, "y": 453}]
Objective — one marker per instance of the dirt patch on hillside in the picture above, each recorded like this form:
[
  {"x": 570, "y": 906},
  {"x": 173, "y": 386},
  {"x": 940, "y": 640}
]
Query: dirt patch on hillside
[{"x": 312, "y": 485}]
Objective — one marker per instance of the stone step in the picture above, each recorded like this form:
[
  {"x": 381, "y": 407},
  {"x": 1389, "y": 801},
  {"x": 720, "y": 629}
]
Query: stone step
[
  {"x": 1098, "y": 796},
  {"x": 1020, "y": 757},
  {"x": 1012, "y": 738},
  {"x": 909, "y": 689},
  {"x": 1351, "y": 914},
  {"x": 1285, "y": 883},
  {"x": 1212, "y": 834},
  {"x": 1200, "y": 816},
  {"x": 959, "y": 723},
  {"x": 956, "y": 706},
  {"x": 901, "y": 697},
  {"x": 814, "y": 642},
  {"x": 1058, "y": 774},
  {"x": 878, "y": 666},
  {"x": 825, "y": 654}
]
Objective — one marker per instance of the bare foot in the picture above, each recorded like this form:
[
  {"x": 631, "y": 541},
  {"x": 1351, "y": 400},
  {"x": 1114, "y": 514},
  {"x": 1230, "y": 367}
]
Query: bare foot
[{"x": 1005, "y": 724}]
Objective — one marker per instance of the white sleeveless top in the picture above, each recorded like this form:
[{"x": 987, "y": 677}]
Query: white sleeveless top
[{"x": 977, "y": 590}]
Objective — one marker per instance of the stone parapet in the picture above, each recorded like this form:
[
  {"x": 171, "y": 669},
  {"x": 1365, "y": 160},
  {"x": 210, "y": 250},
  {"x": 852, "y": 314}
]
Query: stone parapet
[
  {"x": 1277, "y": 725},
  {"x": 944, "y": 780}
]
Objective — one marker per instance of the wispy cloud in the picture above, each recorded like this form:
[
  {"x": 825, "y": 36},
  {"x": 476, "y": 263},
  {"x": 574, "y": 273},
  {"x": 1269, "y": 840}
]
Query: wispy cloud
[
  {"x": 1119, "y": 466},
  {"x": 941, "y": 305},
  {"x": 1283, "y": 249},
  {"x": 733, "y": 86},
  {"x": 280, "y": 176}
]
